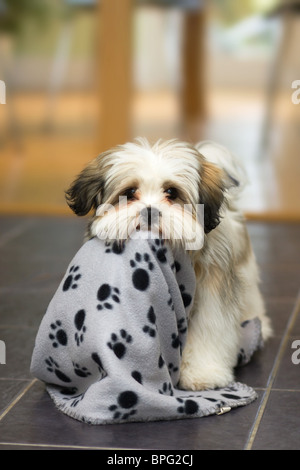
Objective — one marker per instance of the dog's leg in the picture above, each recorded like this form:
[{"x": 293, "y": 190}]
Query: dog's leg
[
  {"x": 211, "y": 350},
  {"x": 252, "y": 301}
]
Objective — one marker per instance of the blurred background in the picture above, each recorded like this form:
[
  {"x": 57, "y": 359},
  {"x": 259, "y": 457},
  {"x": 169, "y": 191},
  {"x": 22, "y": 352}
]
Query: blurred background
[{"x": 83, "y": 75}]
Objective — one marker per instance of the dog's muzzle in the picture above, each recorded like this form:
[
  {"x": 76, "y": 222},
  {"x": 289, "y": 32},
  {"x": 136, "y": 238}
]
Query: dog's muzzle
[{"x": 149, "y": 217}]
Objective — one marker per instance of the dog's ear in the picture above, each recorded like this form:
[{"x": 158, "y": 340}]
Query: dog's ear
[
  {"x": 211, "y": 193},
  {"x": 85, "y": 192}
]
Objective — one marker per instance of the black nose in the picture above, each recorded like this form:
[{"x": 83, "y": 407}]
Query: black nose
[{"x": 150, "y": 216}]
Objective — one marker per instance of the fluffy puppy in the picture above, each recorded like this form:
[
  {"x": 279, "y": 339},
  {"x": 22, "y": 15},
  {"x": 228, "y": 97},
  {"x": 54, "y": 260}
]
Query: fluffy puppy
[{"x": 163, "y": 187}]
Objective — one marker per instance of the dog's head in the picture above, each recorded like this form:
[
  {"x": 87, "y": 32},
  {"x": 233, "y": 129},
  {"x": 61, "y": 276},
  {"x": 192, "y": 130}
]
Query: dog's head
[{"x": 159, "y": 187}]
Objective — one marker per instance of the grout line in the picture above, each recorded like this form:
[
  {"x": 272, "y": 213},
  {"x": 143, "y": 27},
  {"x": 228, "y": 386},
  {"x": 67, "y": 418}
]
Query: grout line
[
  {"x": 67, "y": 446},
  {"x": 17, "y": 399},
  {"x": 277, "y": 362}
]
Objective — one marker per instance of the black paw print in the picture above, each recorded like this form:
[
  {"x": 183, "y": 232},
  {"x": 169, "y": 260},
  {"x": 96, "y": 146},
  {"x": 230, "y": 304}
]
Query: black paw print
[
  {"x": 96, "y": 358},
  {"x": 72, "y": 277},
  {"x": 161, "y": 361},
  {"x": 55, "y": 368},
  {"x": 176, "y": 266},
  {"x": 181, "y": 325},
  {"x": 80, "y": 371},
  {"x": 159, "y": 250},
  {"x": 175, "y": 341},
  {"x": 170, "y": 302},
  {"x": 79, "y": 324},
  {"x": 186, "y": 298},
  {"x": 125, "y": 401},
  {"x": 58, "y": 335},
  {"x": 140, "y": 276},
  {"x": 117, "y": 247},
  {"x": 188, "y": 407},
  {"x": 136, "y": 375},
  {"x": 118, "y": 344},
  {"x": 167, "y": 389},
  {"x": 172, "y": 368},
  {"x": 105, "y": 293},
  {"x": 151, "y": 318},
  {"x": 77, "y": 399}
]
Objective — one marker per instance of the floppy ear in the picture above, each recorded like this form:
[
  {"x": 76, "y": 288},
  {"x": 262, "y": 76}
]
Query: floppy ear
[
  {"x": 85, "y": 192},
  {"x": 211, "y": 193}
]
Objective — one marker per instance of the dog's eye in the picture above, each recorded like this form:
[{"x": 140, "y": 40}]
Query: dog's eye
[
  {"x": 130, "y": 193},
  {"x": 171, "y": 193}
]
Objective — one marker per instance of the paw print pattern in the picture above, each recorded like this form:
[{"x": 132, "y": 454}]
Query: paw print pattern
[
  {"x": 73, "y": 276},
  {"x": 176, "y": 266},
  {"x": 161, "y": 362},
  {"x": 170, "y": 301},
  {"x": 136, "y": 375},
  {"x": 117, "y": 345},
  {"x": 79, "y": 324},
  {"x": 58, "y": 335},
  {"x": 166, "y": 389},
  {"x": 125, "y": 401},
  {"x": 80, "y": 371},
  {"x": 188, "y": 407},
  {"x": 75, "y": 400},
  {"x": 151, "y": 328},
  {"x": 175, "y": 341},
  {"x": 140, "y": 276},
  {"x": 159, "y": 250},
  {"x": 55, "y": 368},
  {"x": 107, "y": 293},
  {"x": 96, "y": 358},
  {"x": 181, "y": 325},
  {"x": 172, "y": 368},
  {"x": 186, "y": 298},
  {"x": 117, "y": 247}
]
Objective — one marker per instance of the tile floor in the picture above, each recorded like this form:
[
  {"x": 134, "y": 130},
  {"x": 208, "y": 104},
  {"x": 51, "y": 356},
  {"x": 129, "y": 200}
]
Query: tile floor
[{"x": 34, "y": 253}]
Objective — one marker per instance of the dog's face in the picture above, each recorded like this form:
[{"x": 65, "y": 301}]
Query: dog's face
[{"x": 137, "y": 186}]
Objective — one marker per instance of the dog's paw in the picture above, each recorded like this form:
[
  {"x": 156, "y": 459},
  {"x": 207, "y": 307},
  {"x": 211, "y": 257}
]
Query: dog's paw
[{"x": 214, "y": 377}]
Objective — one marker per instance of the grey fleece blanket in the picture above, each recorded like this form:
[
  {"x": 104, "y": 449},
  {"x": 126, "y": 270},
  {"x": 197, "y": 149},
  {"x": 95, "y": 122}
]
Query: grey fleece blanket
[{"x": 109, "y": 346}]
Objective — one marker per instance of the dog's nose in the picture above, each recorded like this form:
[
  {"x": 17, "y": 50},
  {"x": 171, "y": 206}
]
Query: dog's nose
[{"x": 150, "y": 216}]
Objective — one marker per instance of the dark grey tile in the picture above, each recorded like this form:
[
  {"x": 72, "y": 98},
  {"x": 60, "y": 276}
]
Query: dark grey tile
[
  {"x": 280, "y": 282},
  {"x": 35, "y": 420},
  {"x": 295, "y": 325},
  {"x": 275, "y": 243},
  {"x": 11, "y": 225},
  {"x": 19, "y": 344},
  {"x": 280, "y": 426},
  {"x": 256, "y": 374},
  {"x": 24, "y": 308},
  {"x": 279, "y": 311},
  {"x": 40, "y": 256},
  {"x": 9, "y": 389},
  {"x": 288, "y": 374}
]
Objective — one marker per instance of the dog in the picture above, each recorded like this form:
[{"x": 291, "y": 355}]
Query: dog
[{"x": 154, "y": 183}]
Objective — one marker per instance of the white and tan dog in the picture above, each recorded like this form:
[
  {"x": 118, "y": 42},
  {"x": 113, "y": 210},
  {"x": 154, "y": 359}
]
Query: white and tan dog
[{"x": 138, "y": 181}]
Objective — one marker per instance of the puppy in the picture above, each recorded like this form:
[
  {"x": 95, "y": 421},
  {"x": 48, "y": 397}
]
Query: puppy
[{"x": 160, "y": 187}]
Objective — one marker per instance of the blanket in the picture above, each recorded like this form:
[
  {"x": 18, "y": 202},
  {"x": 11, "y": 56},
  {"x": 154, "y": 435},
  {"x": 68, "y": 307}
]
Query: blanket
[{"x": 110, "y": 343}]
